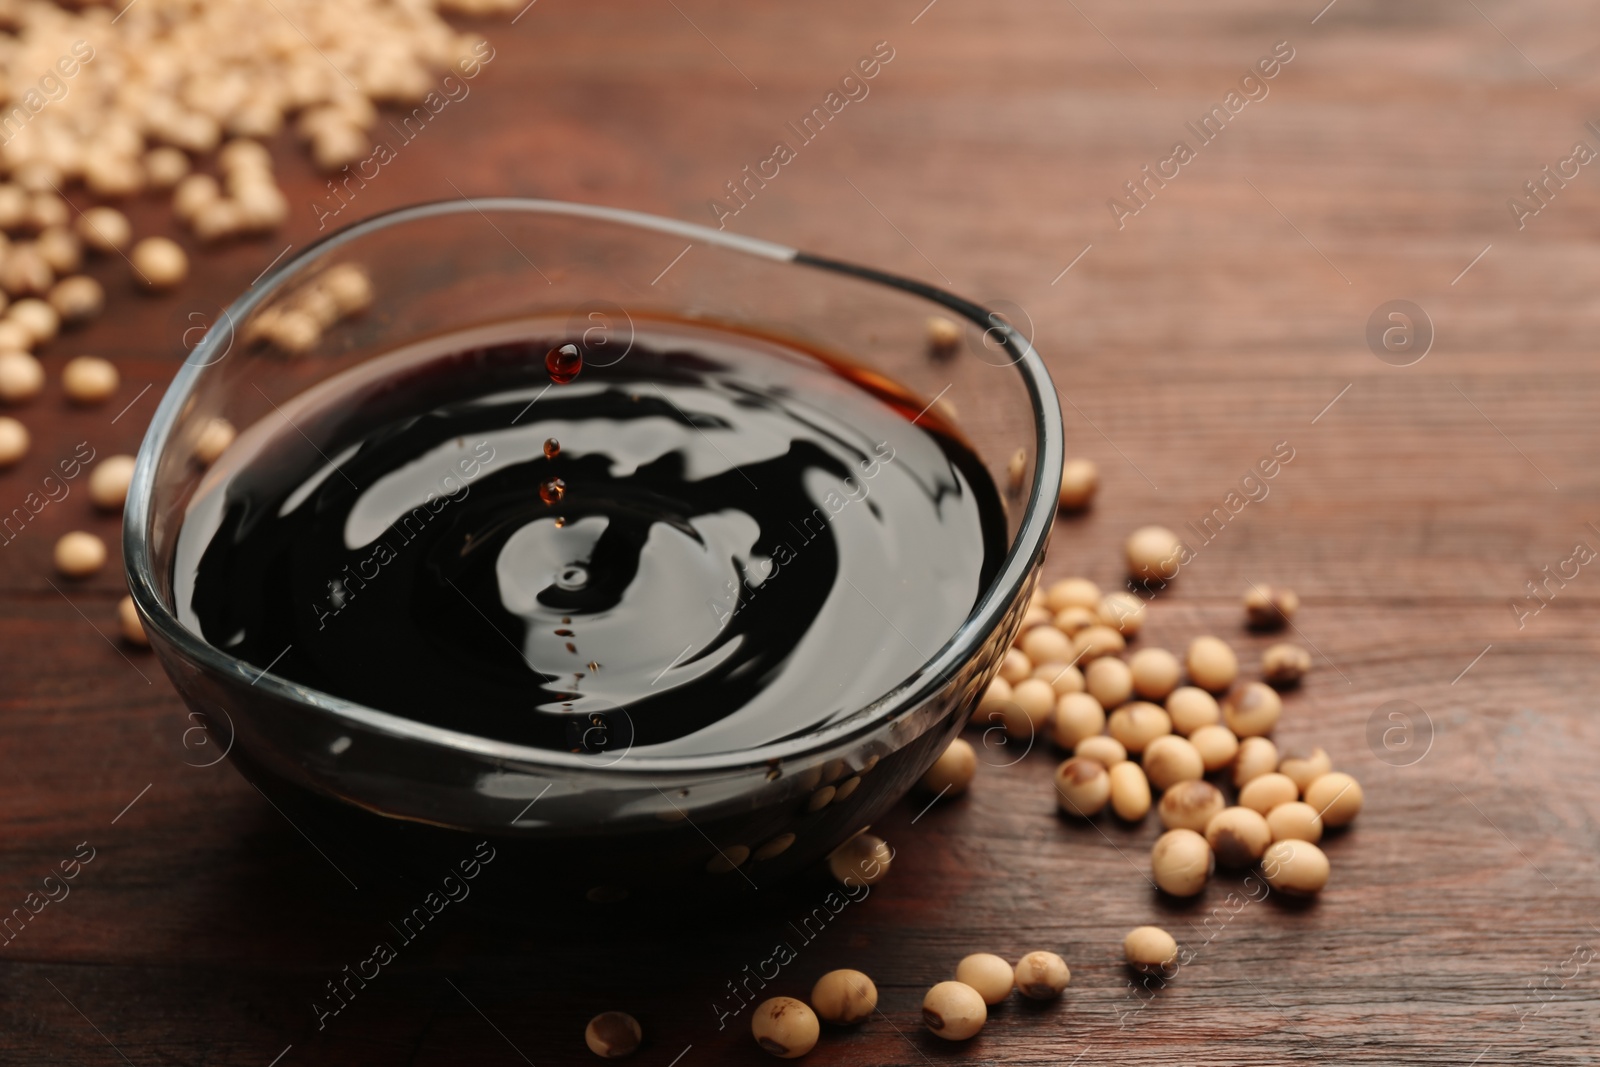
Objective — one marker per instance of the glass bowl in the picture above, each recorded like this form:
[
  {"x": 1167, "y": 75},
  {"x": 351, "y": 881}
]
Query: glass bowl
[{"x": 378, "y": 792}]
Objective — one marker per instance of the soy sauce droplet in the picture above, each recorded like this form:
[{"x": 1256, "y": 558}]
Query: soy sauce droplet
[
  {"x": 552, "y": 448},
  {"x": 551, "y": 490},
  {"x": 563, "y": 363}
]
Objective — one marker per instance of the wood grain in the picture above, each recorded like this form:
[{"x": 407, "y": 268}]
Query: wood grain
[{"x": 1222, "y": 319}]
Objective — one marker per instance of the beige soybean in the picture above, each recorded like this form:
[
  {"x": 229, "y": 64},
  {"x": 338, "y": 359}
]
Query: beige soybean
[
  {"x": 864, "y": 858},
  {"x": 953, "y": 771},
  {"x": 215, "y": 437},
  {"x": 943, "y": 335},
  {"x": 785, "y": 1027},
  {"x": 1297, "y": 868},
  {"x": 1153, "y": 553},
  {"x": 159, "y": 263},
  {"x": 79, "y": 554},
  {"x": 1212, "y": 664},
  {"x": 1181, "y": 862},
  {"x": 1064, "y": 678},
  {"x": 1032, "y": 704},
  {"x": 165, "y": 167},
  {"x": 60, "y": 248},
  {"x": 1267, "y": 791},
  {"x": 1046, "y": 644},
  {"x": 24, "y": 272},
  {"x": 1135, "y": 725},
  {"x": 1257, "y": 756},
  {"x": 1284, "y": 664},
  {"x": 954, "y": 1011},
  {"x": 37, "y": 318},
  {"x": 1190, "y": 805},
  {"x": 1042, "y": 975},
  {"x": 1295, "y": 821},
  {"x": 1108, "y": 680},
  {"x": 77, "y": 299},
  {"x": 1130, "y": 791},
  {"x": 1216, "y": 744},
  {"x": 990, "y": 975},
  {"x": 1036, "y": 615},
  {"x": 132, "y": 626},
  {"x": 1092, "y": 642},
  {"x": 350, "y": 288},
  {"x": 1082, "y": 786},
  {"x": 1336, "y": 796},
  {"x": 1106, "y": 751},
  {"x": 612, "y": 1035},
  {"x": 1149, "y": 949},
  {"x": 14, "y": 441},
  {"x": 1072, "y": 621},
  {"x": 21, "y": 377},
  {"x": 1191, "y": 708},
  {"x": 89, "y": 379},
  {"x": 1171, "y": 759},
  {"x": 1079, "y": 479},
  {"x": 1072, "y": 593},
  {"x": 1270, "y": 607},
  {"x": 1123, "y": 612},
  {"x": 844, "y": 997},
  {"x": 1238, "y": 836},
  {"x": 1078, "y": 716},
  {"x": 991, "y": 706},
  {"x": 105, "y": 229},
  {"x": 1252, "y": 710},
  {"x": 108, "y": 482},
  {"x": 1015, "y": 665},
  {"x": 1306, "y": 769},
  {"x": 1155, "y": 673}
]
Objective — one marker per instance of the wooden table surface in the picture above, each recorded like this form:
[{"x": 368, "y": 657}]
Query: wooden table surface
[{"x": 1229, "y": 314}]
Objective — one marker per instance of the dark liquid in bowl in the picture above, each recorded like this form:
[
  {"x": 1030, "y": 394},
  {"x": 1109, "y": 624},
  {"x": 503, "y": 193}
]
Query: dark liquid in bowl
[{"x": 709, "y": 544}]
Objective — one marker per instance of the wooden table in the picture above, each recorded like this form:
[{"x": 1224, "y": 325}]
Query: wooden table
[{"x": 1230, "y": 313}]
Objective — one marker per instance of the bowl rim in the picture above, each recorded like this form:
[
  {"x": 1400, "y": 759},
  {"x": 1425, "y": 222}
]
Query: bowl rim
[{"x": 1016, "y": 568}]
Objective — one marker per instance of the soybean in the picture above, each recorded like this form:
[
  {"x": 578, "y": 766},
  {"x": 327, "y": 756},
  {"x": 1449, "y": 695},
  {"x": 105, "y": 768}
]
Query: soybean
[
  {"x": 1149, "y": 949},
  {"x": 1306, "y": 769},
  {"x": 1212, "y": 664},
  {"x": 1267, "y": 791},
  {"x": 1082, "y": 786},
  {"x": 1337, "y": 798},
  {"x": 1064, "y": 678},
  {"x": 1153, "y": 553},
  {"x": 1078, "y": 716},
  {"x": 1270, "y": 607},
  {"x": 1135, "y": 725},
  {"x": 1106, "y": 751},
  {"x": 1171, "y": 759},
  {"x": 1042, "y": 975},
  {"x": 89, "y": 379},
  {"x": 1123, "y": 612},
  {"x": 1072, "y": 593},
  {"x": 79, "y": 554},
  {"x": 954, "y": 1010},
  {"x": 1190, "y": 805},
  {"x": 785, "y": 1027},
  {"x": 1216, "y": 744},
  {"x": 1108, "y": 680},
  {"x": 14, "y": 441},
  {"x": 1238, "y": 836},
  {"x": 953, "y": 771},
  {"x": 1079, "y": 479},
  {"x": 612, "y": 1035},
  {"x": 132, "y": 626},
  {"x": 1295, "y": 821},
  {"x": 844, "y": 997},
  {"x": 108, "y": 482},
  {"x": 1046, "y": 644},
  {"x": 1130, "y": 791},
  {"x": 1191, "y": 708},
  {"x": 1252, "y": 710},
  {"x": 1257, "y": 756},
  {"x": 1155, "y": 673},
  {"x": 1283, "y": 664},
  {"x": 990, "y": 975},
  {"x": 1297, "y": 868},
  {"x": 1181, "y": 862}
]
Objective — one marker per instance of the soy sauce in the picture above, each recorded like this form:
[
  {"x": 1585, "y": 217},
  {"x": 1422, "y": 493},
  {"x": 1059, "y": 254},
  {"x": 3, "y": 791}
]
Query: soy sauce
[{"x": 715, "y": 542}]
